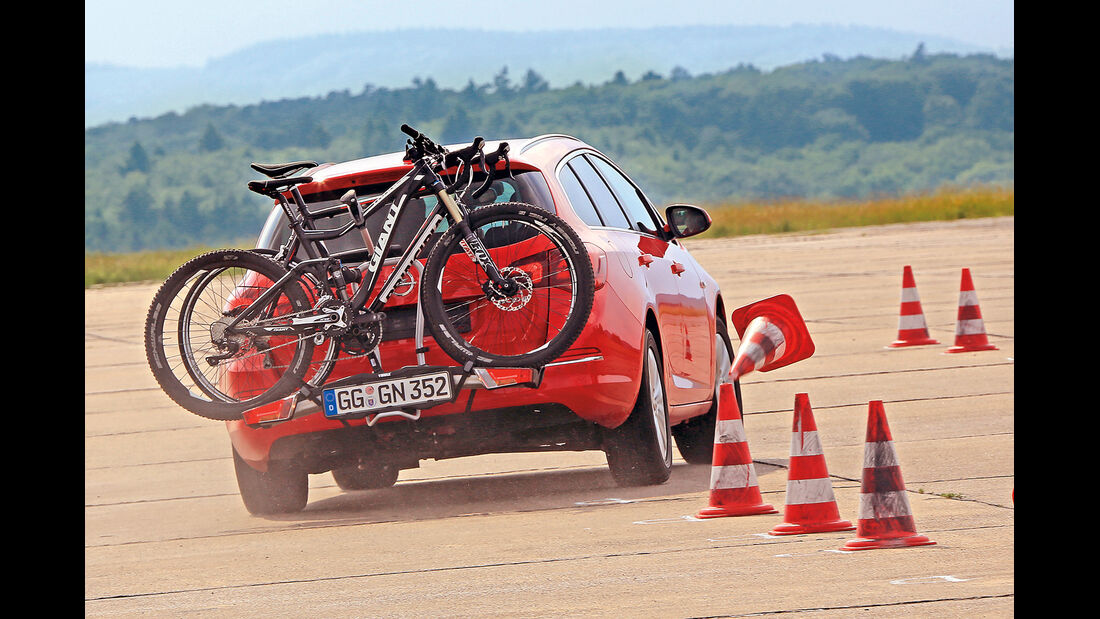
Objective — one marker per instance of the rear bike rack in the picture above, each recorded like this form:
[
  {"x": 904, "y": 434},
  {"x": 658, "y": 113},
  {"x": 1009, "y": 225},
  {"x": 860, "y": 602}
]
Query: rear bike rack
[{"x": 307, "y": 401}]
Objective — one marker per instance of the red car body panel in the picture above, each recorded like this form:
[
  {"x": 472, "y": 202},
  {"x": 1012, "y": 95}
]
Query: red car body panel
[{"x": 641, "y": 280}]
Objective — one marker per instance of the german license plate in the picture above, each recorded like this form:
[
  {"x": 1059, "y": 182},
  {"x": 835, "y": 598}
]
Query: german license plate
[{"x": 390, "y": 394}]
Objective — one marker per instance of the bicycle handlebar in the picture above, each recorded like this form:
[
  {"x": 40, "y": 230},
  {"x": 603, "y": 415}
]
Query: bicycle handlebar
[
  {"x": 464, "y": 155},
  {"x": 421, "y": 145},
  {"x": 488, "y": 163}
]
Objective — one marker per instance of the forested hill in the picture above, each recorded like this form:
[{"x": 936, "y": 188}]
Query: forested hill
[
  {"x": 828, "y": 128},
  {"x": 315, "y": 65}
]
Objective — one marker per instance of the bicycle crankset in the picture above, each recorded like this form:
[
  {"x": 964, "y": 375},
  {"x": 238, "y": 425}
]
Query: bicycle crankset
[{"x": 363, "y": 338}]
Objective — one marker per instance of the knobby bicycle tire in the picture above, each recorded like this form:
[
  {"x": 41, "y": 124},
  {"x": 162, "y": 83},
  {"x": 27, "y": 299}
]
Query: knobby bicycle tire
[
  {"x": 199, "y": 297},
  {"x": 546, "y": 258}
]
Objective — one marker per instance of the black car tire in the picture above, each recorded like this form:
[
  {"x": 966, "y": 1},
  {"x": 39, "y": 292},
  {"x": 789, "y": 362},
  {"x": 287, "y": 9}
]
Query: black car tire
[
  {"x": 283, "y": 489},
  {"x": 695, "y": 437},
  {"x": 365, "y": 476},
  {"x": 639, "y": 451}
]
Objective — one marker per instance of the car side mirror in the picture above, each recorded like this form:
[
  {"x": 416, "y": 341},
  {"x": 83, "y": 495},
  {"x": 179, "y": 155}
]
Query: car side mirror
[
  {"x": 685, "y": 220},
  {"x": 350, "y": 200}
]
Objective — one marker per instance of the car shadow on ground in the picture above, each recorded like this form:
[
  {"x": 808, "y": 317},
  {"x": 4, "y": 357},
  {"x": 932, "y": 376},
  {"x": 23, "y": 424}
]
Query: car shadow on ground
[{"x": 509, "y": 492}]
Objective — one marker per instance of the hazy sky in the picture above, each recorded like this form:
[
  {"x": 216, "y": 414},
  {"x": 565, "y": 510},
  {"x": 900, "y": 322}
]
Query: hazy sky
[{"x": 150, "y": 33}]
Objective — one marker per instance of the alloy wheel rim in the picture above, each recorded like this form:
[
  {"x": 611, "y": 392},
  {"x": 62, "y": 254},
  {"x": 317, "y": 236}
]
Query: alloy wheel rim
[
  {"x": 722, "y": 363},
  {"x": 657, "y": 404}
]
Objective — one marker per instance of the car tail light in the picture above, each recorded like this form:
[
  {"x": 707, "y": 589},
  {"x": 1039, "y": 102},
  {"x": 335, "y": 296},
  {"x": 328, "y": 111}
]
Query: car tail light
[
  {"x": 268, "y": 413},
  {"x": 495, "y": 378}
]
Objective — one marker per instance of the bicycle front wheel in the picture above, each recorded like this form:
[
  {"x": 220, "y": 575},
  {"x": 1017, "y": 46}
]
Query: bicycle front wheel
[
  {"x": 209, "y": 368},
  {"x": 548, "y": 304}
]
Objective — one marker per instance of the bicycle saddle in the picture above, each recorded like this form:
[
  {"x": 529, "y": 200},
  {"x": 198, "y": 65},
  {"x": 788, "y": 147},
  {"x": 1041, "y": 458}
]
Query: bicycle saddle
[
  {"x": 279, "y": 170},
  {"x": 277, "y": 185}
]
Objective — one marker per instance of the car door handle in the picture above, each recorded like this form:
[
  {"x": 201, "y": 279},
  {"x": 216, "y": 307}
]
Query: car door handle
[
  {"x": 645, "y": 260},
  {"x": 678, "y": 268}
]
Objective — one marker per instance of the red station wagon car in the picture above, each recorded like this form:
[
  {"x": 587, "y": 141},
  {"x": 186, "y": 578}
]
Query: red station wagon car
[{"x": 641, "y": 375}]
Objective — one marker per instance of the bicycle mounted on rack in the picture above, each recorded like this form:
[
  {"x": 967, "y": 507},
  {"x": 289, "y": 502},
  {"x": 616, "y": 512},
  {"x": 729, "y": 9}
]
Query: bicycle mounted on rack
[{"x": 252, "y": 329}]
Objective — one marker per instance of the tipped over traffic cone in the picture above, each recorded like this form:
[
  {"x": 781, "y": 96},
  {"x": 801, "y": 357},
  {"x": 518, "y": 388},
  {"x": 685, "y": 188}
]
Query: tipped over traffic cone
[
  {"x": 811, "y": 506},
  {"x": 912, "y": 329},
  {"x": 772, "y": 334},
  {"x": 885, "y": 520},
  {"x": 733, "y": 488},
  {"x": 969, "y": 328}
]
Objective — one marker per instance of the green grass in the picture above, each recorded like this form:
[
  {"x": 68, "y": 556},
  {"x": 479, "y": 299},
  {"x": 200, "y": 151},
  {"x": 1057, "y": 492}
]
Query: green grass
[
  {"x": 102, "y": 268},
  {"x": 800, "y": 215}
]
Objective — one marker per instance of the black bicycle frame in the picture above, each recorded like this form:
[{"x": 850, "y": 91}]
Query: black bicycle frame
[{"x": 320, "y": 262}]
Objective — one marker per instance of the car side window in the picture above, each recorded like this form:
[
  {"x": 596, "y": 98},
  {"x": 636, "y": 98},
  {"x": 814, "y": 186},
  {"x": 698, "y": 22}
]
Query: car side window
[
  {"x": 606, "y": 204},
  {"x": 578, "y": 197},
  {"x": 641, "y": 218}
]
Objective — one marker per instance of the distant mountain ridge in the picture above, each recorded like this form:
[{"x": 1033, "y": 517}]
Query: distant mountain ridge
[{"x": 315, "y": 66}]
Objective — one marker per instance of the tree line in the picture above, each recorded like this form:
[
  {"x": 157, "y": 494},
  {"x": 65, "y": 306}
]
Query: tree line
[{"x": 824, "y": 128}]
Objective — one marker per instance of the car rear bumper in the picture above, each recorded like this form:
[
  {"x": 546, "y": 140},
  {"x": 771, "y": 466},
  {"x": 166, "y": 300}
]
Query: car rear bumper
[
  {"x": 595, "y": 382},
  {"x": 588, "y": 386}
]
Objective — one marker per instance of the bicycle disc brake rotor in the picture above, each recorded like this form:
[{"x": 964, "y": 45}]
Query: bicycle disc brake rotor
[{"x": 519, "y": 300}]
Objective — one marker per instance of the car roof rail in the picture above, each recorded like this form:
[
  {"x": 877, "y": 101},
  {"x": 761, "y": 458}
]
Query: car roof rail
[{"x": 543, "y": 138}]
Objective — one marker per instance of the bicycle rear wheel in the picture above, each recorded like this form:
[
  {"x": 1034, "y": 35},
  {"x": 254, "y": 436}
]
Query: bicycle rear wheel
[
  {"x": 208, "y": 369},
  {"x": 552, "y": 299}
]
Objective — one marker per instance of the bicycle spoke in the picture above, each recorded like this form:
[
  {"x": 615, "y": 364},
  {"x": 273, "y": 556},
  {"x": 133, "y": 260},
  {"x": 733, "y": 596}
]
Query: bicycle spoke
[
  {"x": 528, "y": 254},
  {"x": 205, "y": 364}
]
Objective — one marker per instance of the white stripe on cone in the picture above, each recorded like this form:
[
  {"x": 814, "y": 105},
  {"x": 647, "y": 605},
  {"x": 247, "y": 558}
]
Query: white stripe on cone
[
  {"x": 880, "y": 453},
  {"x": 890, "y": 504},
  {"x": 732, "y": 476},
  {"x": 755, "y": 353},
  {"x": 809, "y": 445},
  {"x": 968, "y": 297},
  {"x": 908, "y": 322},
  {"x": 729, "y": 431},
  {"x": 807, "y": 491},
  {"x": 972, "y": 326}
]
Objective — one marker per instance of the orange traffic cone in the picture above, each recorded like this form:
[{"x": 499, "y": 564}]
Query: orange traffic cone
[
  {"x": 885, "y": 520},
  {"x": 912, "y": 330},
  {"x": 811, "y": 506},
  {"x": 969, "y": 328},
  {"x": 733, "y": 489},
  {"x": 772, "y": 335}
]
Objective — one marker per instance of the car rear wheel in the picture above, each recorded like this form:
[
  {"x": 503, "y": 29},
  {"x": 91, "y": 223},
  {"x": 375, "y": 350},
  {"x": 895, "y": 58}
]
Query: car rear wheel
[
  {"x": 365, "y": 476},
  {"x": 695, "y": 437},
  {"x": 639, "y": 452},
  {"x": 283, "y": 489}
]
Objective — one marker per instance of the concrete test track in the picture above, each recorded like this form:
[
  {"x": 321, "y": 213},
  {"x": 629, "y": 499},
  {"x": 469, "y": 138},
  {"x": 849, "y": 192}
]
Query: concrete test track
[{"x": 536, "y": 535}]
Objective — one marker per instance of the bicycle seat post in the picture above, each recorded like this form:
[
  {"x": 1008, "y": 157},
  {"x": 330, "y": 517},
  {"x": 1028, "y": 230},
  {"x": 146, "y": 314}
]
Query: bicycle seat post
[
  {"x": 300, "y": 203},
  {"x": 314, "y": 248},
  {"x": 295, "y": 221}
]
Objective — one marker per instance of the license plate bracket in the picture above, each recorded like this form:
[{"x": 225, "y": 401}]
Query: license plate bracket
[{"x": 397, "y": 391}]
